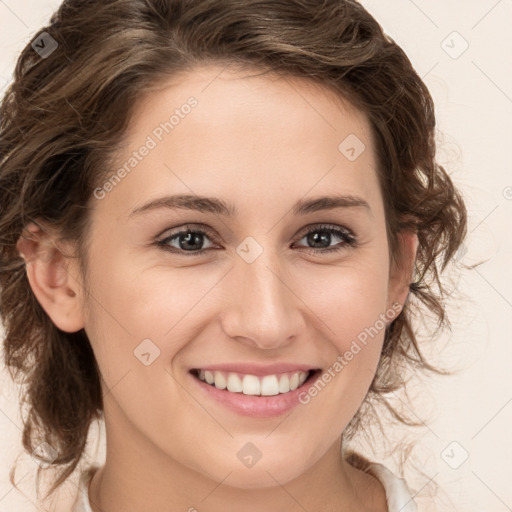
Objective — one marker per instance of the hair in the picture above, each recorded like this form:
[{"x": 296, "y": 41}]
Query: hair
[{"x": 63, "y": 117}]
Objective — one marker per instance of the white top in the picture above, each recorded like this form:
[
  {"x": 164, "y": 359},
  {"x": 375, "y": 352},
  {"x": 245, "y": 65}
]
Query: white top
[{"x": 397, "y": 493}]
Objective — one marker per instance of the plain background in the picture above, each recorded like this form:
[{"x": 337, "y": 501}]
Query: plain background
[{"x": 464, "y": 444}]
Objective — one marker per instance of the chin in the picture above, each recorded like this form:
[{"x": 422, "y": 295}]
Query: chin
[{"x": 261, "y": 475}]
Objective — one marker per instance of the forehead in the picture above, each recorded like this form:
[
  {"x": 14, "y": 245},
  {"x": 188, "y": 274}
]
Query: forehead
[
  {"x": 216, "y": 84},
  {"x": 247, "y": 131}
]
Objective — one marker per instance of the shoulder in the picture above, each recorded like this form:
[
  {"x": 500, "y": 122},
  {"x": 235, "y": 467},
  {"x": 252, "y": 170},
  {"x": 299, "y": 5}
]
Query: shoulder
[
  {"x": 82, "y": 503},
  {"x": 398, "y": 495}
]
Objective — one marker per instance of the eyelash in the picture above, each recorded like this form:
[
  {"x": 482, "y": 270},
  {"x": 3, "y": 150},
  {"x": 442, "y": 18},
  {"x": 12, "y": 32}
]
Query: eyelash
[{"x": 346, "y": 235}]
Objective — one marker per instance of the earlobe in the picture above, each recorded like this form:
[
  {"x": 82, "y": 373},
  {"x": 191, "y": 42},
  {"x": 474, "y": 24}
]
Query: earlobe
[
  {"x": 50, "y": 278},
  {"x": 401, "y": 273}
]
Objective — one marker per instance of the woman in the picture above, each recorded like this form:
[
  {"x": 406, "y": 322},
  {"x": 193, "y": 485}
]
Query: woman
[{"x": 216, "y": 216}]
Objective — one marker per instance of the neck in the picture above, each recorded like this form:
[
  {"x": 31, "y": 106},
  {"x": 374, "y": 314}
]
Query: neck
[{"x": 137, "y": 475}]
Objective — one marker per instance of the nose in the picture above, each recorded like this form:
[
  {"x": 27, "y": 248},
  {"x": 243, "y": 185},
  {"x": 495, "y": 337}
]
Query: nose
[{"x": 262, "y": 309}]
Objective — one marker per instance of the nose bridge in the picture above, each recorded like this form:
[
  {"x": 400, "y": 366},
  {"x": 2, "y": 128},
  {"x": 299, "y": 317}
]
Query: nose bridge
[{"x": 262, "y": 307}]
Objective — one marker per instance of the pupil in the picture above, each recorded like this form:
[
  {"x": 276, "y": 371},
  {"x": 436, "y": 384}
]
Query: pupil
[
  {"x": 191, "y": 241},
  {"x": 319, "y": 237}
]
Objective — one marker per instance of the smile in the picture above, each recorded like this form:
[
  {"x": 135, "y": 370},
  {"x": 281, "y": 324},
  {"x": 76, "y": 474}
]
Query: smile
[
  {"x": 254, "y": 390},
  {"x": 268, "y": 385}
]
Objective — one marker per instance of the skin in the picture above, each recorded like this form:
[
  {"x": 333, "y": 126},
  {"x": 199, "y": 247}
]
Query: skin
[{"x": 260, "y": 143}]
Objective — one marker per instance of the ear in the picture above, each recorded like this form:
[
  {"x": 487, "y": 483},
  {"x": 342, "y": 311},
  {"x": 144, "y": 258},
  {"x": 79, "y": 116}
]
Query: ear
[
  {"x": 401, "y": 271},
  {"x": 50, "y": 277}
]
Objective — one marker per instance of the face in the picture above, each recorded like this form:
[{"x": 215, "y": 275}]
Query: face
[{"x": 283, "y": 268}]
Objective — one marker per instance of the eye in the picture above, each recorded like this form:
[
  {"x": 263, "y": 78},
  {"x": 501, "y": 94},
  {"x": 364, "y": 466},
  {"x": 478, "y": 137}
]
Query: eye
[
  {"x": 188, "y": 240},
  {"x": 320, "y": 237}
]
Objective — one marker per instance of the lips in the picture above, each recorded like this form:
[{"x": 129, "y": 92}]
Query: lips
[
  {"x": 257, "y": 396},
  {"x": 254, "y": 379}
]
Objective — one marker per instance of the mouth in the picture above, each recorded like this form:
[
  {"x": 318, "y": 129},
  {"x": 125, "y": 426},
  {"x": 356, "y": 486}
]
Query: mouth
[{"x": 255, "y": 385}]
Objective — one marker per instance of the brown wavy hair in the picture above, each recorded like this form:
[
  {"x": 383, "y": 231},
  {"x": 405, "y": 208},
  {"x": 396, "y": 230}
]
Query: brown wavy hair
[{"x": 63, "y": 117}]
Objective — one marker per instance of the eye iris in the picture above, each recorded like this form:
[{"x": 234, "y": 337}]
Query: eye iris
[
  {"x": 319, "y": 237},
  {"x": 191, "y": 241}
]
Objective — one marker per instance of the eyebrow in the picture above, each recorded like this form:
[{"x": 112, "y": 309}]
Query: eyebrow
[{"x": 217, "y": 206}]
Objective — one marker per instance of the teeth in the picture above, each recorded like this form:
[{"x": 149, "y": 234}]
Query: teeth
[
  {"x": 234, "y": 383},
  {"x": 220, "y": 380},
  {"x": 251, "y": 385},
  {"x": 294, "y": 381},
  {"x": 284, "y": 384},
  {"x": 269, "y": 385}
]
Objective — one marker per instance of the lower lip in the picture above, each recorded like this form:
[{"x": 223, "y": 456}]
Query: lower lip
[{"x": 256, "y": 405}]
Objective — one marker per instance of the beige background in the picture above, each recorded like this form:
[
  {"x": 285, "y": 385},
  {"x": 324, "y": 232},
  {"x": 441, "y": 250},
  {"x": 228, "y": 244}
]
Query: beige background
[{"x": 469, "y": 414}]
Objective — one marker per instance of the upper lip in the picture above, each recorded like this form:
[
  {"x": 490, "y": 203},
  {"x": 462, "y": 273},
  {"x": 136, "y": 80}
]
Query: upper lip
[{"x": 257, "y": 369}]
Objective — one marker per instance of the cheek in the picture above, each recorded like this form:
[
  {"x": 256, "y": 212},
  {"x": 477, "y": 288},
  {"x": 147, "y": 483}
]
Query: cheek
[
  {"x": 350, "y": 305},
  {"x": 141, "y": 317},
  {"x": 349, "y": 297},
  {"x": 131, "y": 316},
  {"x": 141, "y": 301}
]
